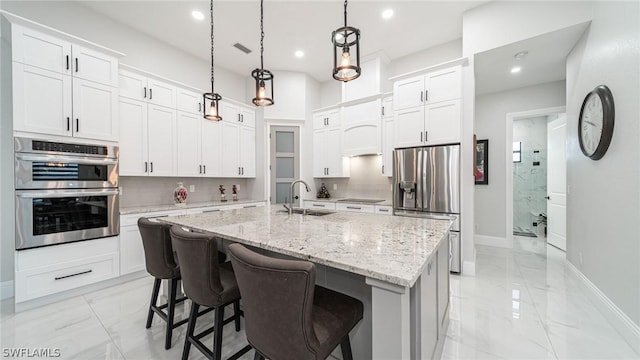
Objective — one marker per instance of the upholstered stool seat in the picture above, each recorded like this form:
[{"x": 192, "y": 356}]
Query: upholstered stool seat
[{"x": 287, "y": 316}]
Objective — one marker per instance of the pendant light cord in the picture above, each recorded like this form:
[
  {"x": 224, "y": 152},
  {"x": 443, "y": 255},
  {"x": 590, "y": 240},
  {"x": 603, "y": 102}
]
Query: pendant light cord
[
  {"x": 261, "y": 35},
  {"x": 345, "y": 13},
  {"x": 212, "y": 63}
]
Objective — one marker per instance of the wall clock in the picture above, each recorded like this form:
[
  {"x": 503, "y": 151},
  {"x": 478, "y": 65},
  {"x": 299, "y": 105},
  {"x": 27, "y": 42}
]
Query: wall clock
[{"x": 595, "y": 125}]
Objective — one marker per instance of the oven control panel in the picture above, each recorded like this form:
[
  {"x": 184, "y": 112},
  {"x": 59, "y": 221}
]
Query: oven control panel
[{"x": 37, "y": 145}]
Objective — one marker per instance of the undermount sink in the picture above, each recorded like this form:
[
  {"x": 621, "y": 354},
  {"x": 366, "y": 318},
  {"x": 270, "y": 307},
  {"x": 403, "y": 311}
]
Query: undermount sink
[{"x": 311, "y": 212}]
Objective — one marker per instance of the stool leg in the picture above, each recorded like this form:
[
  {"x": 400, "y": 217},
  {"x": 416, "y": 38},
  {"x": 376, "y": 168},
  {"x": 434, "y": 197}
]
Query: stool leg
[
  {"x": 257, "y": 356},
  {"x": 345, "y": 346},
  {"x": 193, "y": 317},
  {"x": 236, "y": 314},
  {"x": 217, "y": 338},
  {"x": 170, "y": 312},
  {"x": 154, "y": 299}
]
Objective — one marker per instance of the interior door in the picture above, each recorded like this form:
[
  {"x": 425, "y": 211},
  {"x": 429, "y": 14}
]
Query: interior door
[
  {"x": 284, "y": 160},
  {"x": 557, "y": 182}
]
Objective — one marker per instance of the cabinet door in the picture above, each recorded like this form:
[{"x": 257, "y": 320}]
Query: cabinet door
[
  {"x": 94, "y": 66},
  {"x": 429, "y": 324},
  {"x": 40, "y": 50},
  {"x": 443, "y": 282},
  {"x": 361, "y": 129},
  {"x": 409, "y": 127},
  {"x": 161, "y": 93},
  {"x": 337, "y": 165},
  {"x": 368, "y": 84},
  {"x": 133, "y": 138},
  {"x": 189, "y": 101},
  {"x": 333, "y": 118},
  {"x": 388, "y": 128},
  {"x": 443, "y": 122},
  {"x": 319, "y": 120},
  {"x": 162, "y": 141},
  {"x": 211, "y": 148},
  {"x": 132, "y": 85},
  {"x": 230, "y": 156},
  {"x": 95, "y": 110},
  {"x": 387, "y": 107},
  {"x": 319, "y": 153},
  {"x": 229, "y": 112},
  {"x": 443, "y": 85},
  {"x": 41, "y": 101},
  {"x": 247, "y": 148},
  {"x": 131, "y": 250},
  {"x": 248, "y": 118},
  {"x": 189, "y": 144},
  {"x": 408, "y": 93}
]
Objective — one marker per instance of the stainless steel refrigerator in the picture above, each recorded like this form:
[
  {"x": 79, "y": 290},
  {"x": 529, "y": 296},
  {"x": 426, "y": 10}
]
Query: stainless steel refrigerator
[{"x": 427, "y": 184}]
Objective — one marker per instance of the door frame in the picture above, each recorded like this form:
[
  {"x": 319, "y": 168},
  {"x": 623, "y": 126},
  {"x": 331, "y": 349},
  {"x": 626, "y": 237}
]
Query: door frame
[
  {"x": 510, "y": 118},
  {"x": 267, "y": 158}
]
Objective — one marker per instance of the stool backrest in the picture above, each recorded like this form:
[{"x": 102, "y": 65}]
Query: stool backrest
[
  {"x": 158, "y": 252},
  {"x": 198, "y": 257},
  {"x": 277, "y": 298}
]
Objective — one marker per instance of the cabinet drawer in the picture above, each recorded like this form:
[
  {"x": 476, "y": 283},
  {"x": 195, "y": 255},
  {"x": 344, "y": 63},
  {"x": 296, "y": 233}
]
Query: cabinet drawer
[
  {"x": 52, "y": 279},
  {"x": 206, "y": 209},
  {"x": 355, "y": 207},
  {"x": 132, "y": 219},
  {"x": 64, "y": 253},
  {"x": 383, "y": 209},
  {"x": 319, "y": 205}
]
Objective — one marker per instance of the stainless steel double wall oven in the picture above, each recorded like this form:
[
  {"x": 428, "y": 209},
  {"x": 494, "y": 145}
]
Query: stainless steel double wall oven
[{"x": 65, "y": 192}]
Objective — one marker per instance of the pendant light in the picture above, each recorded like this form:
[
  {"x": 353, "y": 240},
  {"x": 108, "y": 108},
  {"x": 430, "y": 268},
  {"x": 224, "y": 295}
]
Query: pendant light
[
  {"x": 346, "y": 51},
  {"x": 264, "y": 78},
  {"x": 212, "y": 98}
]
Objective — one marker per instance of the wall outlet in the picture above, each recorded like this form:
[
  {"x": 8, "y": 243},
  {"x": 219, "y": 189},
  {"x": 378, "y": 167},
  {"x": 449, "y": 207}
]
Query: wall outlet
[
  {"x": 335, "y": 186},
  {"x": 192, "y": 188}
]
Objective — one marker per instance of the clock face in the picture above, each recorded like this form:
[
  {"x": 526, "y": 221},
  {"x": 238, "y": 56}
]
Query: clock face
[
  {"x": 595, "y": 125},
  {"x": 592, "y": 121}
]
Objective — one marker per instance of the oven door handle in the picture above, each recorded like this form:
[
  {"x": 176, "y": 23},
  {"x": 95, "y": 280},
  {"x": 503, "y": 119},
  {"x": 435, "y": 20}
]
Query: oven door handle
[
  {"x": 75, "y": 160},
  {"x": 30, "y": 194}
]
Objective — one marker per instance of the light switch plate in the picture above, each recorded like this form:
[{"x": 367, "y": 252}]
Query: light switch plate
[{"x": 192, "y": 188}]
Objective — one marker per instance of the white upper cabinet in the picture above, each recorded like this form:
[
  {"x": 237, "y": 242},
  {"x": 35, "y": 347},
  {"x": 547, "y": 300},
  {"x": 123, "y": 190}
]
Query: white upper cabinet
[
  {"x": 327, "y": 145},
  {"x": 134, "y": 151},
  {"x": 427, "y": 108},
  {"x": 388, "y": 130},
  {"x": 371, "y": 81},
  {"x": 161, "y": 93},
  {"x": 238, "y": 141},
  {"x": 198, "y": 142},
  {"x": 132, "y": 85},
  {"x": 62, "y": 88},
  {"x": 189, "y": 101},
  {"x": 324, "y": 119},
  {"x": 361, "y": 128},
  {"x": 140, "y": 87},
  {"x": 161, "y": 131},
  {"x": 387, "y": 106},
  {"x": 211, "y": 148}
]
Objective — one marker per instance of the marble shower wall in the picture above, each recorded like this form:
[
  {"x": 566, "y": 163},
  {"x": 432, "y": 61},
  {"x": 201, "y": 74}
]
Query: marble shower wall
[{"x": 530, "y": 181}]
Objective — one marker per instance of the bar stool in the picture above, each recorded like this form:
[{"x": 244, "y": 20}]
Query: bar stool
[
  {"x": 207, "y": 283},
  {"x": 161, "y": 264},
  {"x": 287, "y": 316}
]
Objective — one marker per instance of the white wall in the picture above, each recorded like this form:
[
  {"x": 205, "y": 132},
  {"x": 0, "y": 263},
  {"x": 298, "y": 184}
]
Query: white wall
[
  {"x": 142, "y": 51},
  {"x": 289, "y": 96},
  {"x": 490, "y": 123},
  {"x": 330, "y": 93},
  {"x": 500, "y": 23},
  {"x": 427, "y": 57},
  {"x": 604, "y": 196}
]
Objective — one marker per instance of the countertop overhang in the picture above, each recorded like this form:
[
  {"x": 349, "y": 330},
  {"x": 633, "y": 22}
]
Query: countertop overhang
[{"x": 388, "y": 248}]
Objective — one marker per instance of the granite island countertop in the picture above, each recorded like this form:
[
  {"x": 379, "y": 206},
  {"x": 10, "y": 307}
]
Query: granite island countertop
[
  {"x": 189, "y": 205},
  {"x": 388, "y": 248}
]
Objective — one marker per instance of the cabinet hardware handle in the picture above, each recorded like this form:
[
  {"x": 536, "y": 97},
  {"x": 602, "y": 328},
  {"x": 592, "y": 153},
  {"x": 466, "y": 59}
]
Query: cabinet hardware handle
[
  {"x": 426, "y": 136},
  {"x": 210, "y": 211},
  {"x": 68, "y": 124},
  {"x": 354, "y": 207},
  {"x": 242, "y": 117},
  {"x": 238, "y": 170},
  {"x": 426, "y": 95},
  {"x": 77, "y": 124},
  {"x": 150, "y": 93},
  {"x": 204, "y": 169},
  {"x": 76, "y": 274},
  {"x": 76, "y": 64},
  {"x": 383, "y": 169},
  {"x": 146, "y": 166},
  {"x": 383, "y": 111},
  {"x": 317, "y": 205},
  {"x": 199, "y": 107},
  {"x": 242, "y": 171},
  {"x": 67, "y": 62},
  {"x": 420, "y": 136},
  {"x": 249, "y": 206},
  {"x": 152, "y": 166},
  {"x": 199, "y": 169},
  {"x": 421, "y": 96},
  {"x": 383, "y": 210},
  {"x": 145, "y": 92}
]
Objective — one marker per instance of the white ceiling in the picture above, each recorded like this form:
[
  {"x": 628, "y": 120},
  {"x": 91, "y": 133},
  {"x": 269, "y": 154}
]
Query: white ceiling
[
  {"x": 545, "y": 62},
  {"x": 290, "y": 26}
]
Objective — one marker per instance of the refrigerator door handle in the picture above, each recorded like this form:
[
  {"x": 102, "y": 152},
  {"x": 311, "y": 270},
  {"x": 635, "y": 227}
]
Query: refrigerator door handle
[{"x": 420, "y": 180}]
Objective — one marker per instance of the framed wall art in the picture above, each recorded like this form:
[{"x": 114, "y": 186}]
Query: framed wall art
[{"x": 481, "y": 171}]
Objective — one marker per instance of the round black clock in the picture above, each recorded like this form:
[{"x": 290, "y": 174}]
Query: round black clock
[{"x": 595, "y": 125}]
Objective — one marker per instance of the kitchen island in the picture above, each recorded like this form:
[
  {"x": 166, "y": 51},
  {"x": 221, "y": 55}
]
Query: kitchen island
[{"x": 397, "y": 266}]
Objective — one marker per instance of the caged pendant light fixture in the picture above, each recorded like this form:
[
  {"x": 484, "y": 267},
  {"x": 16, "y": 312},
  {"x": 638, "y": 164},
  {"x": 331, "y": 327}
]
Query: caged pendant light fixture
[
  {"x": 264, "y": 78},
  {"x": 212, "y": 98},
  {"x": 346, "y": 51}
]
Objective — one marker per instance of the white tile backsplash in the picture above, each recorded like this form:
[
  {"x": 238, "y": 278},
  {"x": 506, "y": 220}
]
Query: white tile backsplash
[{"x": 366, "y": 180}]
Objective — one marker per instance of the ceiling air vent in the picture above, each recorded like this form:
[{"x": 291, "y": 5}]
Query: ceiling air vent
[{"x": 242, "y": 48}]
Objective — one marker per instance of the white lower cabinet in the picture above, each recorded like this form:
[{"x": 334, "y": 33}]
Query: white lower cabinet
[
  {"x": 53, "y": 269},
  {"x": 362, "y": 208},
  {"x": 443, "y": 284},
  {"x": 319, "y": 205},
  {"x": 429, "y": 314},
  {"x": 383, "y": 209}
]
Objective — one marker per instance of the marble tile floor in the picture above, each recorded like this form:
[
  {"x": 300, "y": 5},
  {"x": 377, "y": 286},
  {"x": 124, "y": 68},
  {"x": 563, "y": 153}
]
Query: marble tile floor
[{"x": 523, "y": 304}]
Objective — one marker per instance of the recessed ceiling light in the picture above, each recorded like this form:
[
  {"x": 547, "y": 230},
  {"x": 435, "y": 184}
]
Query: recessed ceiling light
[
  {"x": 515, "y": 69},
  {"x": 387, "y": 14},
  {"x": 198, "y": 15},
  {"x": 521, "y": 55},
  {"x": 299, "y": 53}
]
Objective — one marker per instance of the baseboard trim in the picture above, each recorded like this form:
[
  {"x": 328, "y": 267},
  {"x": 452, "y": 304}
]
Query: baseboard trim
[
  {"x": 6, "y": 290},
  {"x": 469, "y": 268},
  {"x": 492, "y": 241},
  {"x": 629, "y": 330}
]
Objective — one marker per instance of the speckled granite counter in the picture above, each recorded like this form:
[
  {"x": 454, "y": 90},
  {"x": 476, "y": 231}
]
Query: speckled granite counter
[
  {"x": 387, "y": 248},
  {"x": 188, "y": 205}
]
